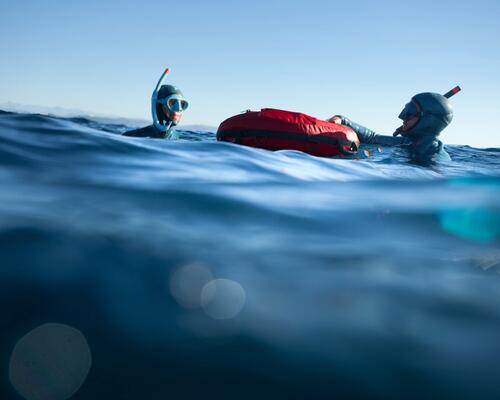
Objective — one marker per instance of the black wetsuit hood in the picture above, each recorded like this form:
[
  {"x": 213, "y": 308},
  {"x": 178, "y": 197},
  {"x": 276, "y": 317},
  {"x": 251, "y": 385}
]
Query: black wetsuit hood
[
  {"x": 164, "y": 92},
  {"x": 435, "y": 113}
]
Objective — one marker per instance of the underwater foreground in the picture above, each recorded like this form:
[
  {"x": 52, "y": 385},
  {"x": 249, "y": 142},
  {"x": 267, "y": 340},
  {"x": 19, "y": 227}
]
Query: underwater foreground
[{"x": 152, "y": 269}]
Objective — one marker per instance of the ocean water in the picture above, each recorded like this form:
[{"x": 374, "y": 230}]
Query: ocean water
[{"x": 147, "y": 269}]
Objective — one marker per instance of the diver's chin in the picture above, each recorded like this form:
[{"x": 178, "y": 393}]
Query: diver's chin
[
  {"x": 175, "y": 117},
  {"x": 409, "y": 124}
]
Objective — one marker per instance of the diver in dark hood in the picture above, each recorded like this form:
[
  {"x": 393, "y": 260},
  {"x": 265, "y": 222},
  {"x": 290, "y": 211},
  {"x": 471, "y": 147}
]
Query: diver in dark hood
[
  {"x": 167, "y": 106},
  {"x": 424, "y": 118}
]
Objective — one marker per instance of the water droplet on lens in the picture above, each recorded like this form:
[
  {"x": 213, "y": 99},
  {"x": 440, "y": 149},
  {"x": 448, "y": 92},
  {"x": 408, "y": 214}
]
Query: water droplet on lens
[
  {"x": 223, "y": 298},
  {"x": 187, "y": 282},
  {"x": 50, "y": 363}
]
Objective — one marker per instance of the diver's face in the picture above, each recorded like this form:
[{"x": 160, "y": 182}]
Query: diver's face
[
  {"x": 173, "y": 116},
  {"x": 409, "y": 123},
  {"x": 410, "y": 115}
]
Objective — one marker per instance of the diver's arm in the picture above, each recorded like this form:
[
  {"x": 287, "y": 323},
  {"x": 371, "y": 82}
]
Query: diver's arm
[
  {"x": 146, "y": 132},
  {"x": 135, "y": 133},
  {"x": 370, "y": 137}
]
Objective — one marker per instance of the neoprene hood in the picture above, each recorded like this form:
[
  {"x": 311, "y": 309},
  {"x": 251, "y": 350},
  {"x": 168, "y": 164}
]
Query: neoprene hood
[
  {"x": 435, "y": 112},
  {"x": 164, "y": 92}
]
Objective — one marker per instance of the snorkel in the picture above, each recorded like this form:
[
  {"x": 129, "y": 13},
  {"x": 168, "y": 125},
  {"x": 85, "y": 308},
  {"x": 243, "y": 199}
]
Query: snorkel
[
  {"x": 166, "y": 128},
  {"x": 452, "y": 92}
]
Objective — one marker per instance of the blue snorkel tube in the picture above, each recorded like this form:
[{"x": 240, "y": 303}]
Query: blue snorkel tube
[{"x": 166, "y": 128}]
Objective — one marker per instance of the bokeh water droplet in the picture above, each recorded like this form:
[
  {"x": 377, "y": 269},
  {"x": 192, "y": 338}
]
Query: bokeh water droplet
[
  {"x": 187, "y": 282},
  {"x": 50, "y": 363},
  {"x": 223, "y": 298}
]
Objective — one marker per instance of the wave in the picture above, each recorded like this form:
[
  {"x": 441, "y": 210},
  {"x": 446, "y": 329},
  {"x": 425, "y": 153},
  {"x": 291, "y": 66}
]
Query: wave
[{"x": 253, "y": 273}]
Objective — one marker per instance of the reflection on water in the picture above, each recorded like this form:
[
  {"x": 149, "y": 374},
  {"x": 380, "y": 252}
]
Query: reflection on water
[
  {"x": 477, "y": 219},
  {"x": 478, "y": 224}
]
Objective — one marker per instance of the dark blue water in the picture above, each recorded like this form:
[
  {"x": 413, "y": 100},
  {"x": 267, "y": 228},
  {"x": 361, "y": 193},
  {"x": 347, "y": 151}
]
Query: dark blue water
[{"x": 198, "y": 269}]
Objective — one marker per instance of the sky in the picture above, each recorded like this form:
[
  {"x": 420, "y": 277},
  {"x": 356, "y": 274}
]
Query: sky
[{"x": 361, "y": 59}]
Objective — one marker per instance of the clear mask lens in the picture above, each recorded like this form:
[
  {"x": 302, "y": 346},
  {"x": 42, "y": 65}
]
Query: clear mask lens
[
  {"x": 175, "y": 103},
  {"x": 409, "y": 111}
]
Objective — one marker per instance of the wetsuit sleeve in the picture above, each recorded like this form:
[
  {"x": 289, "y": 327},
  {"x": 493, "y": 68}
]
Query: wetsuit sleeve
[
  {"x": 368, "y": 136},
  {"x": 148, "y": 131},
  {"x": 423, "y": 150},
  {"x": 142, "y": 132}
]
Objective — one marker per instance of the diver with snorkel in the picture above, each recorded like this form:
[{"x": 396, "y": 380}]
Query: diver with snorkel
[
  {"x": 167, "y": 105},
  {"x": 424, "y": 118}
]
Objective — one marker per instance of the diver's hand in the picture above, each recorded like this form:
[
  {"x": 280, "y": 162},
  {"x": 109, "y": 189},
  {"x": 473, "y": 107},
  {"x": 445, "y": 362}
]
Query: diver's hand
[{"x": 335, "y": 120}]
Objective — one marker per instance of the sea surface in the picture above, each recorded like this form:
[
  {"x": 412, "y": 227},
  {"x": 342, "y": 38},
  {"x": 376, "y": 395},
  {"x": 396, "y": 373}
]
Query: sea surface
[{"x": 148, "y": 269}]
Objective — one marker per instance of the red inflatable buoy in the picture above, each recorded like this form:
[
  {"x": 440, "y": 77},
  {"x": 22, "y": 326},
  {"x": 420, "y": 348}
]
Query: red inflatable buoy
[{"x": 273, "y": 129}]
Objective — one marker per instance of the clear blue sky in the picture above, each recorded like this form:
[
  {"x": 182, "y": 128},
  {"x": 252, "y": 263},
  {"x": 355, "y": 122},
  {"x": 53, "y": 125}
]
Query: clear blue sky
[{"x": 364, "y": 59}]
